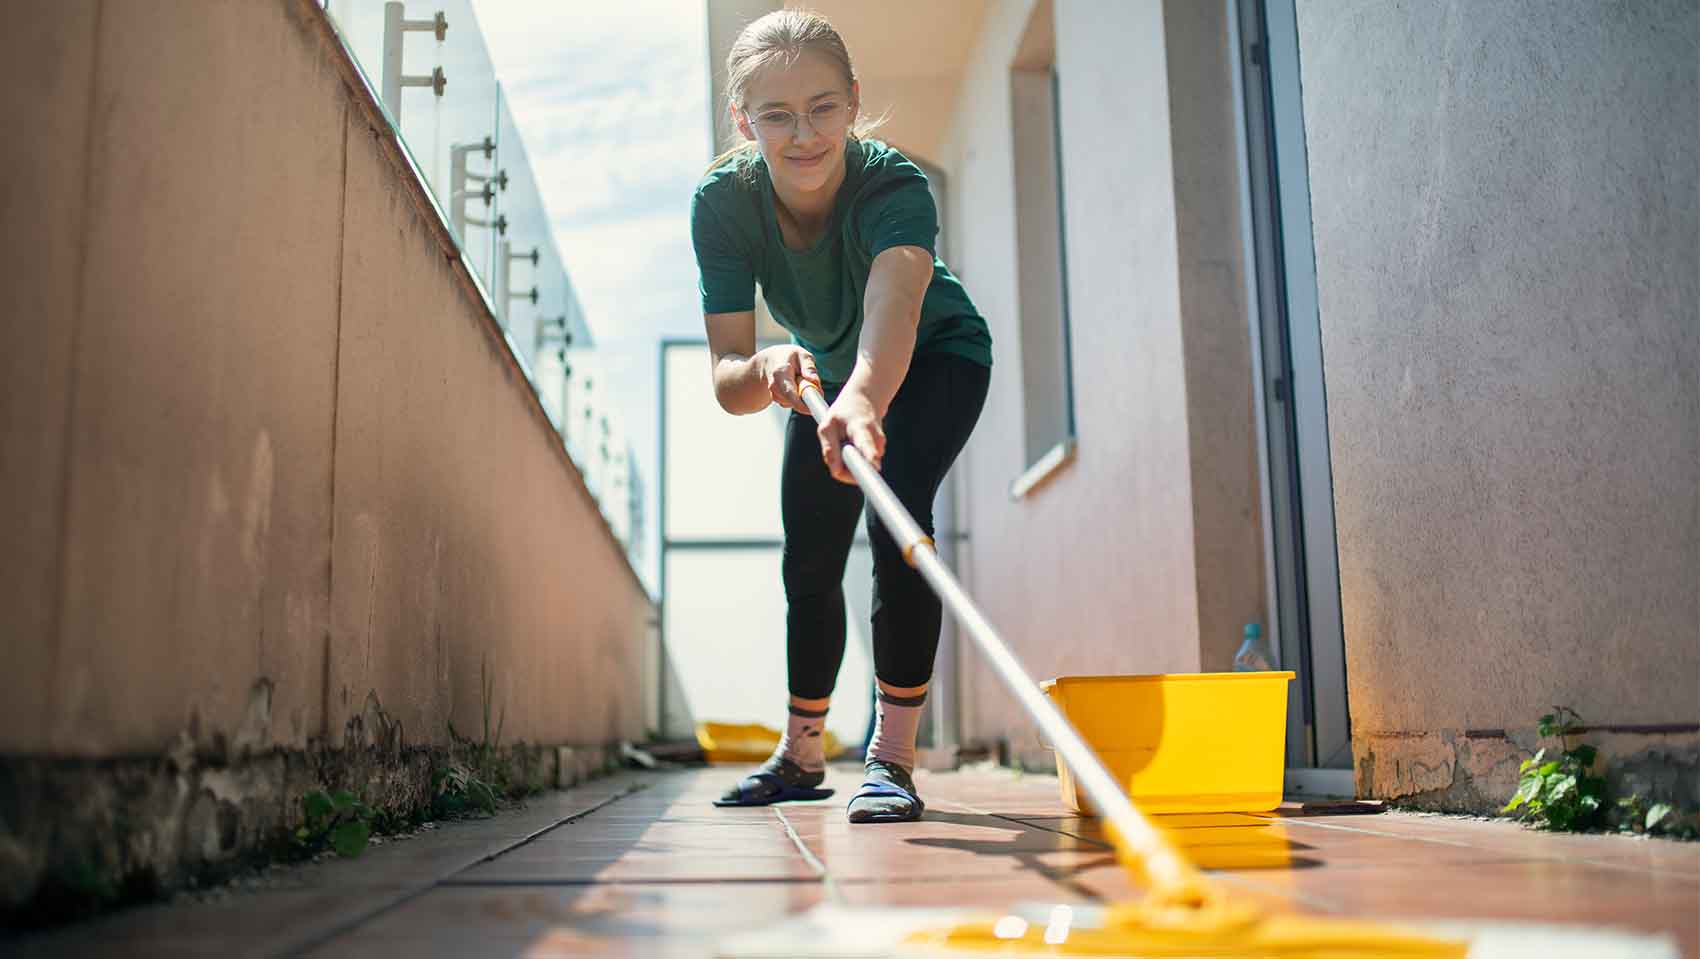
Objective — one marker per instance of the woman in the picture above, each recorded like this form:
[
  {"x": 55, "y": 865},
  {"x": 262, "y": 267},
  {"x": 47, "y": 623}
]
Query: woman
[{"x": 838, "y": 231}]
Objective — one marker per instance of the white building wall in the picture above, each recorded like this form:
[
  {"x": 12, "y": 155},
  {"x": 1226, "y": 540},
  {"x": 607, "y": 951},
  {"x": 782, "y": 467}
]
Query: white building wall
[{"x": 1098, "y": 569}]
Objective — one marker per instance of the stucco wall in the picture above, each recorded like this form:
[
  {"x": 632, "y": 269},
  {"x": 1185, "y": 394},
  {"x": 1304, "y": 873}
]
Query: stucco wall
[
  {"x": 268, "y": 460},
  {"x": 1506, "y": 201},
  {"x": 1144, "y": 554}
]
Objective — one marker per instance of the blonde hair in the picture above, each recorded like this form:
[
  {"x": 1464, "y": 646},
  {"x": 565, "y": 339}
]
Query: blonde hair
[{"x": 781, "y": 37}]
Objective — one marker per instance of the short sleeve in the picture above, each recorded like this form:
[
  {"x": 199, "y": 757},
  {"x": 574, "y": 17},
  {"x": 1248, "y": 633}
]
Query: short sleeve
[
  {"x": 725, "y": 279},
  {"x": 899, "y": 213}
]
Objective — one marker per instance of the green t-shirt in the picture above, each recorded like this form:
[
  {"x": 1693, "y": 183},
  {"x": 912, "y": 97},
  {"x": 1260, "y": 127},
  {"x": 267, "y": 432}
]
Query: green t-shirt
[{"x": 817, "y": 294}]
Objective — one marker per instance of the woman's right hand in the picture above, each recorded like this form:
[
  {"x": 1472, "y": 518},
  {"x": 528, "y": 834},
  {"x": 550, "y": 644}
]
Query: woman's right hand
[{"x": 784, "y": 369}]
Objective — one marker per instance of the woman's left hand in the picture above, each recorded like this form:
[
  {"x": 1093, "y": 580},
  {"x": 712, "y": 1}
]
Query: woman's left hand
[{"x": 851, "y": 416}]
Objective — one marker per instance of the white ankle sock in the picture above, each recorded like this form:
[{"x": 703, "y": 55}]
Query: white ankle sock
[
  {"x": 896, "y": 721},
  {"x": 803, "y": 743}
]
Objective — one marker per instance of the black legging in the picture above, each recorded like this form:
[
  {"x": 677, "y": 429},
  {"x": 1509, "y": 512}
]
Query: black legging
[{"x": 926, "y": 426}]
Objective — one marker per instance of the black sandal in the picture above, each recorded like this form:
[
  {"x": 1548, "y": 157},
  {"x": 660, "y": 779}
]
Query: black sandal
[
  {"x": 778, "y": 780},
  {"x": 886, "y": 781}
]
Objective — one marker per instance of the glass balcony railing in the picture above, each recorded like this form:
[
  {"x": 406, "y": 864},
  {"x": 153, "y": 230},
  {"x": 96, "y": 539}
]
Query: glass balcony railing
[{"x": 428, "y": 65}]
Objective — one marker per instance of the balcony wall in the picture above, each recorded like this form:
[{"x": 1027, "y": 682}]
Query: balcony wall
[
  {"x": 1145, "y": 554},
  {"x": 273, "y": 484}
]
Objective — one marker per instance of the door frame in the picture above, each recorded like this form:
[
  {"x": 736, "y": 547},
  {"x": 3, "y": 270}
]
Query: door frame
[{"x": 1301, "y": 553}]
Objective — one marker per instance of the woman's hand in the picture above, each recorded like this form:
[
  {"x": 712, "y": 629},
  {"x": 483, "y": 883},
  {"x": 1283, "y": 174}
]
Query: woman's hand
[
  {"x": 783, "y": 370},
  {"x": 852, "y": 415}
]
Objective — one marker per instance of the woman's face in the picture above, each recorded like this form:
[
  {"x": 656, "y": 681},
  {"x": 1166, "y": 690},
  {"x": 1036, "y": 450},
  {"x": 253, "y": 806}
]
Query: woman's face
[{"x": 799, "y": 115}]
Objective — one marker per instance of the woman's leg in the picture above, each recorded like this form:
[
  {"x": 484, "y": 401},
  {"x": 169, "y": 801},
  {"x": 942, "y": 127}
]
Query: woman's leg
[
  {"x": 819, "y": 514},
  {"x": 926, "y": 427}
]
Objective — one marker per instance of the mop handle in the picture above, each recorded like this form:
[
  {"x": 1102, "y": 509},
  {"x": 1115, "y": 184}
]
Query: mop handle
[{"x": 1162, "y": 864}]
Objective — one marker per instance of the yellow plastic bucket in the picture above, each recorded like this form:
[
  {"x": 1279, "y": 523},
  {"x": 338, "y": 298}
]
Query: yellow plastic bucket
[
  {"x": 747, "y": 742},
  {"x": 1182, "y": 742}
]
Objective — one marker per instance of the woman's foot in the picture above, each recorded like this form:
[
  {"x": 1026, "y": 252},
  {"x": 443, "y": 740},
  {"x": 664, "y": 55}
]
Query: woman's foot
[
  {"x": 887, "y": 795},
  {"x": 778, "y": 780}
]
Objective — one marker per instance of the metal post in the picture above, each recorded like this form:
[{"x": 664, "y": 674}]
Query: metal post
[
  {"x": 503, "y": 261},
  {"x": 393, "y": 14},
  {"x": 504, "y": 268},
  {"x": 566, "y": 381},
  {"x": 457, "y": 192},
  {"x": 553, "y": 331},
  {"x": 396, "y": 26},
  {"x": 460, "y": 185}
]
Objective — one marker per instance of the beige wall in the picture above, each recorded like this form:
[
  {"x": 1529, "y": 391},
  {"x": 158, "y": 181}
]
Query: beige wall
[
  {"x": 1144, "y": 555},
  {"x": 910, "y": 59},
  {"x": 724, "y": 20},
  {"x": 267, "y": 457},
  {"x": 1510, "y": 302},
  {"x": 48, "y": 61}
]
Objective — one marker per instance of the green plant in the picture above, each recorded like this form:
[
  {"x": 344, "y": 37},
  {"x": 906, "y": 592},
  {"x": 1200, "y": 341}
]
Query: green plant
[
  {"x": 1560, "y": 793},
  {"x": 1632, "y": 814},
  {"x": 489, "y": 758},
  {"x": 338, "y": 819},
  {"x": 477, "y": 782},
  {"x": 1564, "y": 794},
  {"x": 457, "y": 791}
]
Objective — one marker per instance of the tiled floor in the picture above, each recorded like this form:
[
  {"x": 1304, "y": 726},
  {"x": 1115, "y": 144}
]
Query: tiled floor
[{"x": 652, "y": 869}]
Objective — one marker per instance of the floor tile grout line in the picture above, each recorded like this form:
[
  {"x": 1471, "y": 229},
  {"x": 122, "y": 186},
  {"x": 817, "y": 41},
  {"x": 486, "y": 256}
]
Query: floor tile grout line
[
  {"x": 533, "y": 837},
  {"x": 1511, "y": 856},
  {"x": 1527, "y": 857},
  {"x": 1234, "y": 878},
  {"x": 809, "y": 857},
  {"x": 1032, "y": 825},
  {"x": 1240, "y": 878},
  {"x": 545, "y": 882},
  {"x": 324, "y": 936},
  {"x": 1251, "y": 880}
]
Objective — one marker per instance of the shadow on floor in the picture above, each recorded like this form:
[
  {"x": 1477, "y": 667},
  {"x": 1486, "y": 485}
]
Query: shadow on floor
[{"x": 1227, "y": 841}]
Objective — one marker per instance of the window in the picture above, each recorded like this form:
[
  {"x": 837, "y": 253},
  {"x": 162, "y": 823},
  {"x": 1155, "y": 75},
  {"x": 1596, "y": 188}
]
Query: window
[{"x": 1040, "y": 256}]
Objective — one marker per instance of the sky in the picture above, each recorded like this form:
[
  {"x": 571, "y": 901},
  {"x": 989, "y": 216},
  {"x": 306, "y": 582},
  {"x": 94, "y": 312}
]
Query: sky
[{"x": 612, "y": 102}]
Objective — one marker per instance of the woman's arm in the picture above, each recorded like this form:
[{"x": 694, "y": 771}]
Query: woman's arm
[
  {"x": 891, "y": 313},
  {"x": 747, "y": 380}
]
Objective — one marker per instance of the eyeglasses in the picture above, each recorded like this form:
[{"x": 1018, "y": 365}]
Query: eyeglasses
[{"x": 827, "y": 118}]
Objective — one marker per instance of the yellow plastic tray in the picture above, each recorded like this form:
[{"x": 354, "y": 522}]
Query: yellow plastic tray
[
  {"x": 747, "y": 742},
  {"x": 1182, "y": 742}
]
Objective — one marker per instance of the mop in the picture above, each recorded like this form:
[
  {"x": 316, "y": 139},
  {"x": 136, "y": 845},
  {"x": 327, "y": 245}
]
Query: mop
[{"x": 1183, "y": 913}]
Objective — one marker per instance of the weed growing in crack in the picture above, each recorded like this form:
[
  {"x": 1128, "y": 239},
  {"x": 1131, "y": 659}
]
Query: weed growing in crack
[{"x": 1562, "y": 793}]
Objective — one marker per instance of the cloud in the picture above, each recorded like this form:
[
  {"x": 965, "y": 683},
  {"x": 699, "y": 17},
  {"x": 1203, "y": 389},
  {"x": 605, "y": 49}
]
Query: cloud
[
  {"x": 635, "y": 275},
  {"x": 611, "y": 101}
]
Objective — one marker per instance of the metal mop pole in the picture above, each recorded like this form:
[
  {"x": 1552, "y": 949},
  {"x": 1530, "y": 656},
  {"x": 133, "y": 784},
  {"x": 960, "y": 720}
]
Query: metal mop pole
[{"x": 1162, "y": 865}]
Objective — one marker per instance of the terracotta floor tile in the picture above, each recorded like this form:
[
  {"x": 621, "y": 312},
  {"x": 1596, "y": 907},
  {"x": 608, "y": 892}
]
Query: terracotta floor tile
[
  {"x": 1530, "y": 890},
  {"x": 602, "y": 920},
  {"x": 261, "y": 924},
  {"x": 989, "y": 894},
  {"x": 782, "y": 866},
  {"x": 706, "y": 842},
  {"x": 661, "y": 872},
  {"x": 661, "y": 832},
  {"x": 950, "y": 863},
  {"x": 709, "y": 818},
  {"x": 1514, "y": 841}
]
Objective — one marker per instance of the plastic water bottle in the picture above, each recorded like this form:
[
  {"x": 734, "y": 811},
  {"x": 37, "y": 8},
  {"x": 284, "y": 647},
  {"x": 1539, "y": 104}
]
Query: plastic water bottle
[{"x": 1251, "y": 658}]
